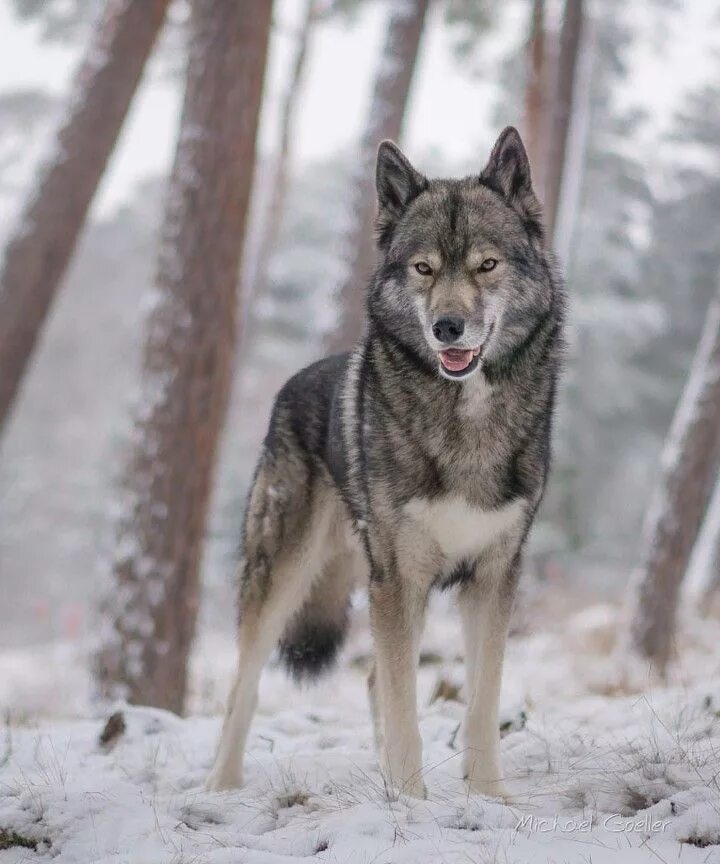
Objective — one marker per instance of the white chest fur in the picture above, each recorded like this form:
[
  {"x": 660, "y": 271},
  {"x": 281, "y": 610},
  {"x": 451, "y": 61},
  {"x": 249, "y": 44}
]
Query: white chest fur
[{"x": 460, "y": 530}]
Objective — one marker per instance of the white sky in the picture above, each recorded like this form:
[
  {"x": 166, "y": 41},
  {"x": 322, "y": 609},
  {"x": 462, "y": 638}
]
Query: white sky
[{"x": 450, "y": 109}]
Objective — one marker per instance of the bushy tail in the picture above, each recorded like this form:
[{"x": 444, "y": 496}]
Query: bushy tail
[{"x": 315, "y": 634}]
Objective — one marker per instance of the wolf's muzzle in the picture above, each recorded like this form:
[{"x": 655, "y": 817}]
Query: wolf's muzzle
[{"x": 449, "y": 328}]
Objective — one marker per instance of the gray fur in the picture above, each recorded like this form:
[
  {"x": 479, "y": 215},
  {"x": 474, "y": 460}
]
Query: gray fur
[{"x": 376, "y": 467}]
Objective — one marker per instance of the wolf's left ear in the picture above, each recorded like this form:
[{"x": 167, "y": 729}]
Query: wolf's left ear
[
  {"x": 398, "y": 183},
  {"x": 508, "y": 173}
]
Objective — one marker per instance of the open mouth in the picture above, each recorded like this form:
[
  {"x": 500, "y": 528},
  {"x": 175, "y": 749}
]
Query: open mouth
[{"x": 459, "y": 362}]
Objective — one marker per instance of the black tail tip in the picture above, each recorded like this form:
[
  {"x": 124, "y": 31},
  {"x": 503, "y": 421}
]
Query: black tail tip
[{"x": 310, "y": 650}]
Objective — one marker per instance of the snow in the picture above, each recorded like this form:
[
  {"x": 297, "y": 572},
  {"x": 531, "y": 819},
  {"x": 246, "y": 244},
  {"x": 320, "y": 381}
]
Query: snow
[
  {"x": 599, "y": 774},
  {"x": 595, "y": 774},
  {"x": 626, "y": 780}
]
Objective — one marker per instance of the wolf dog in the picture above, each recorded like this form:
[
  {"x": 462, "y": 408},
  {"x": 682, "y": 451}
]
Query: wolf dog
[{"x": 417, "y": 461}]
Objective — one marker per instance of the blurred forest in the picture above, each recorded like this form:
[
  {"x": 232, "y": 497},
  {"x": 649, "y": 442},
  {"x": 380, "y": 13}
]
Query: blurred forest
[{"x": 631, "y": 180}]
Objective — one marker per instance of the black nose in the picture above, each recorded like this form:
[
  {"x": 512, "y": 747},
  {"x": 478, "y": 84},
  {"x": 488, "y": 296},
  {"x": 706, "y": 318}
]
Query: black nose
[{"x": 449, "y": 328}]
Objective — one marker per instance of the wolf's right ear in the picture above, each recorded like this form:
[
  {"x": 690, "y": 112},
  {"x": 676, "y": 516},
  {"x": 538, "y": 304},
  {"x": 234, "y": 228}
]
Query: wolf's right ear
[{"x": 398, "y": 183}]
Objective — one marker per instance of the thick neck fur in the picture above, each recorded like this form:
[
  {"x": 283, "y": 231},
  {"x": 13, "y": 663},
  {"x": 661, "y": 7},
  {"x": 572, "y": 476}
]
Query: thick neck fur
[{"x": 472, "y": 435}]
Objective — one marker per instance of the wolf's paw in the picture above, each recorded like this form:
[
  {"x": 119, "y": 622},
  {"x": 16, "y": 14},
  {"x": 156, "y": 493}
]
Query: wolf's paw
[
  {"x": 223, "y": 779},
  {"x": 414, "y": 788},
  {"x": 490, "y": 788}
]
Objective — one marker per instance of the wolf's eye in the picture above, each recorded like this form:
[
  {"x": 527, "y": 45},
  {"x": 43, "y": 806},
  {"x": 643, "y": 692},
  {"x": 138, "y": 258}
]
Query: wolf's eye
[
  {"x": 487, "y": 265},
  {"x": 423, "y": 268}
]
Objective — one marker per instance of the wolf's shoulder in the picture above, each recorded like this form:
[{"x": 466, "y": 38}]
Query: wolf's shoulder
[
  {"x": 317, "y": 379},
  {"x": 305, "y": 405}
]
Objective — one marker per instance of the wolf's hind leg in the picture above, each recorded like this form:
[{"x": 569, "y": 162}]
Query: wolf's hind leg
[
  {"x": 261, "y": 625},
  {"x": 271, "y": 594}
]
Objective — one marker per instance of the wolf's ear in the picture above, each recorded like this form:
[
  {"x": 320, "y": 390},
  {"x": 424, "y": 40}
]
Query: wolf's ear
[
  {"x": 398, "y": 183},
  {"x": 508, "y": 173}
]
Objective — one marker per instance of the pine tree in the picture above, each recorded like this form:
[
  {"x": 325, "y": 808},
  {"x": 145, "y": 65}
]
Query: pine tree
[
  {"x": 42, "y": 245},
  {"x": 706, "y": 558},
  {"x": 536, "y": 95},
  {"x": 390, "y": 96},
  {"x": 256, "y": 276},
  {"x": 561, "y": 110},
  {"x": 153, "y": 594},
  {"x": 690, "y": 464},
  {"x": 600, "y": 446}
]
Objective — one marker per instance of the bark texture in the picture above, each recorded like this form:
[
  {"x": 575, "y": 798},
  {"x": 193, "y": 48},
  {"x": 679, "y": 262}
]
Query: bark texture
[
  {"x": 151, "y": 609},
  {"x": 536, "y": 95},
  {"x": 706, "y": 558},
  {"x": 689, "y": 470},
  {"x": 42, "y": 245},
  {"x": 570, "y": 36},
  {"x": 387, "y": 110}
]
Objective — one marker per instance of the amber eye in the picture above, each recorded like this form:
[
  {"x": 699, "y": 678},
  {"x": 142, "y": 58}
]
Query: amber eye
[
  {"x": 423, "y": 268},
  {"x": 487, "y": 265}
]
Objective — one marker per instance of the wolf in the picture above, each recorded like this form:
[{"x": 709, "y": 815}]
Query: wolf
[{"x": 417, "y": 461}]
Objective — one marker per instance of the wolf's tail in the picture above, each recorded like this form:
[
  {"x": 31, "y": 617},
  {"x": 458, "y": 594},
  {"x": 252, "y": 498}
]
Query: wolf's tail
[{"x": 315, "y": 634}]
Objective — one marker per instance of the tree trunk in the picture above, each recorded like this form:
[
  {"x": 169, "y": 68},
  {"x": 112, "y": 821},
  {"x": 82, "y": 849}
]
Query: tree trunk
[
  {"x": 39, "y": 251},
  {"x": 570, "y": 35},
  {"x": 568, "y": 205},
  {"x": 390, "y": 96},
  {"x": 704, "y": 575},
  {"x": 689, "y": 470},
  {"x": 257, "y": 278},
  {"x": 187, "y": 361},
  {"x": 536, "y": 102}
]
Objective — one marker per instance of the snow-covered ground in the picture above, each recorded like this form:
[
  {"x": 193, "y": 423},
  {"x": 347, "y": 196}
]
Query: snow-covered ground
[
  {"x": 622, "y": 780},
  {"x": 597, "y": 775}
]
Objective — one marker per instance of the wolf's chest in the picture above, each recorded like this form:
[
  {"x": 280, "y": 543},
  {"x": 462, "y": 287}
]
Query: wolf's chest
[{"x": 460, "y": 530}]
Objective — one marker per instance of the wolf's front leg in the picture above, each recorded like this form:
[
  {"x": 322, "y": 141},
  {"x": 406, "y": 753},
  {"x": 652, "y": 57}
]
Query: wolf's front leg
[
  {"x": 485, "y": 612},
  {"x": 396, "y": 615}
]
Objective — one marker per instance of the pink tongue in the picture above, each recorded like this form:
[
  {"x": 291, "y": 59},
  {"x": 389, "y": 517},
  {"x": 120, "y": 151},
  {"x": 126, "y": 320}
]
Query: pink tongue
[{"x": 455, "y": 359}]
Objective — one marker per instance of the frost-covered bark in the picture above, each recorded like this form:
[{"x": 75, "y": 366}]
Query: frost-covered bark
[
  {"x": 390, "y": 95},
  {"x": 536, "y": 95},
  {"x": 44, "y": 240},
  {"x": 570, "y": 35},
  {"x": 152, "y": 603},
  {"x": 689, "y": 470}
]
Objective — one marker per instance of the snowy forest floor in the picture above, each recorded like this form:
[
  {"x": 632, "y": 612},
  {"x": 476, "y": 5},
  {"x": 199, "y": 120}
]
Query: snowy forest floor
[{"x": 597, "y": 774}]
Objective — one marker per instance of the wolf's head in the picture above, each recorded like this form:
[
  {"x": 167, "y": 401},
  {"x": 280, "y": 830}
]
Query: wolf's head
[{"x": 463, "y": 281}]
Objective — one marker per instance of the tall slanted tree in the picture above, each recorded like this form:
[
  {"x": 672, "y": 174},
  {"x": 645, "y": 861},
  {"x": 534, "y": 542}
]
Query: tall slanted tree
[
  {"x": 536, "y": 95},
  {"x": 576, "y": 144},
  {"x": 279, "y": 171},
  {"x": 390, "y": 96},
  {"x": 600, "y": 443},
  {"x": 561, "y": 109},
  {"x": 153, "y": 598},
  {"x": 689, "y": 470},
  {"x": 706, "y": 557},
  {"x": 39, "y": 251}
]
